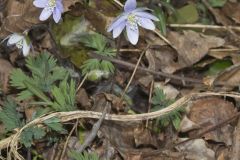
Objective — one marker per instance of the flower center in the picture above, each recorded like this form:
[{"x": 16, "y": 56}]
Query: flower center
[
  {"x": 133, "y": 21},
  {"x": 19, "y": 44},
  {"x": 51, "y": 5}
]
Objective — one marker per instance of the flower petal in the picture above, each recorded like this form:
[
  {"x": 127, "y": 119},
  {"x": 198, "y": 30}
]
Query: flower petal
[
  {"x": 146, "y": 23},
  {"x": 60, "y": 6},
  {"x": 40, "y": 3},
  {"x": 26, "y": 48},
  {"x": 118, "y": 30},
  {"x": 14, "y": 38},
  {"x": 132, "y": 34},
  {"x": 46, "y": 13},
  {"x": 57, "y": 15},
  {"x": 117, "y": 22},
  {"x": 130, "y": 5},
  {"x": 146, "y": 15}
]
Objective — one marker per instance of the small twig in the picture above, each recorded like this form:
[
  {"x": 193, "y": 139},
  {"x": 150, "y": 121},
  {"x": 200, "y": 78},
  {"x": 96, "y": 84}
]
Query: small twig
[
  {"x": 163, "y": 38},
  {"x": 202, "y": 26},
  {"x": 55, "y": 146},
  {"x": 150, "y": 100},
  {"x": 67, "y": 140},
  {"x": 132, "y": 66},
  {"x": 118, "y": 3},
  {"x": 158, "y": 73},
  {"x": 129, "y": 50},
  {"x": 94, "y": 131},
  {"x": 133, "y": 74},
  {"x": 13, "y": 140},
  {"x": 82, "y": 82}
]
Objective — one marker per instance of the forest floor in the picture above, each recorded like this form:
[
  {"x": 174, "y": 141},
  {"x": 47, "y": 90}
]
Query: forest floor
[{"x": 69, "y": 90}]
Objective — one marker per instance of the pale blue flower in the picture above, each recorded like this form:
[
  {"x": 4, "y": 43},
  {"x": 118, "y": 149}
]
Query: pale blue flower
[
  {"x": 20, "y": 41},
  {"x": 50, "y": 7},
  {"x": 131, "y": 18}
]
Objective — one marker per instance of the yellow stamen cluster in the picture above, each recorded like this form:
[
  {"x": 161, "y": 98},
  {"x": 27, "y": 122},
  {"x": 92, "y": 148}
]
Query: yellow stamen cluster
[
  {"x": 132, "y": 21},
  {"x": 19, "y": 44},
  {"x": 51, "y": 5}
]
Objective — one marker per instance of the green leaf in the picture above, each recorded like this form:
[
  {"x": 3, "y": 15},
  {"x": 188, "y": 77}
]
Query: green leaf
[
  {"x": 168, "y": 6},
  {"x": 9, "y": 115},
  {"x": 107, "y": 66},
  {"x": 44, "y": 73},
  {"x": 26, "y": 138},
  {"x": 186, "y": 14},
  {"x": 89, "y": 65},
  {"x": 161, "y": 24},
  {"x": 218, "y": 66},
  {"x": 38, "y": 133},
  {"x": 26, "y": 94},
  {"x": 217, "y": 3},
  {"x": 176, "y": 122},
  {"x": 160, "y": 101},
  {"x": 36, "y": 91},
  {"x": 17, "y": 79},
  {"x": 31, "y": 133},
  {"x": 64, "y": 96},
  {"x": 82, "y": 156},
  {"x": 55, "y": 124},
  {"x": 95, "y": 41}
]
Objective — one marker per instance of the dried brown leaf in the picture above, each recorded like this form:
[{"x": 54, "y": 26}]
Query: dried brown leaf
[
  {"x": 209, "y": 112},
  {"x": 232, "y": 11},
  {"x": 192, "y": 46},
  {"x": 143, "y": 137},
  {"x": 196, "y": 149},
  {"x": 5, "y": 71}
]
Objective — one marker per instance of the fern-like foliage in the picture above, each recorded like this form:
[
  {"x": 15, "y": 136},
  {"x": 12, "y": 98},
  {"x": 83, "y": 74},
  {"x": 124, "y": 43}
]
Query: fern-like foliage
[
  {"x": 30, "y": 134},
  {"x": 55, "y": 124},
  {"x": 12, "y": 119},
  {"x": 64, "y": 96},
  {"x": 82, "y": 156},
  {"x": 159, "y": 101},
  {"x": 44, "y": 73},
  {"x": 98, "y": 43},
  {"x": 47, "y": 82},
  {"x": 9, "y": 115},
  {"x": 52, "y": 89}
]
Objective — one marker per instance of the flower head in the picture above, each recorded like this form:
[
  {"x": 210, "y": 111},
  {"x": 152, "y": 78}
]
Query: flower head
[
  {"x": 50, "y": 7},
  {"x": 20, "y": 41},
  {"x": 131, "y": 18}
]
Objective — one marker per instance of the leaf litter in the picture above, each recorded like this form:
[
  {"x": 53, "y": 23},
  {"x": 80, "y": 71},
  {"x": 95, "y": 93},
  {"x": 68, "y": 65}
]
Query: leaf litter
[{"x": 188, "y": 81}]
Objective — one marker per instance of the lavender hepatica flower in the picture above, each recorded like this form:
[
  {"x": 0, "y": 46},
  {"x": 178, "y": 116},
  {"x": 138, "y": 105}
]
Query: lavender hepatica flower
[
  {"x": 50, "y": 7},
  {"x": 131, "y": 18},
  {"x": 20, "y": 41}
]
